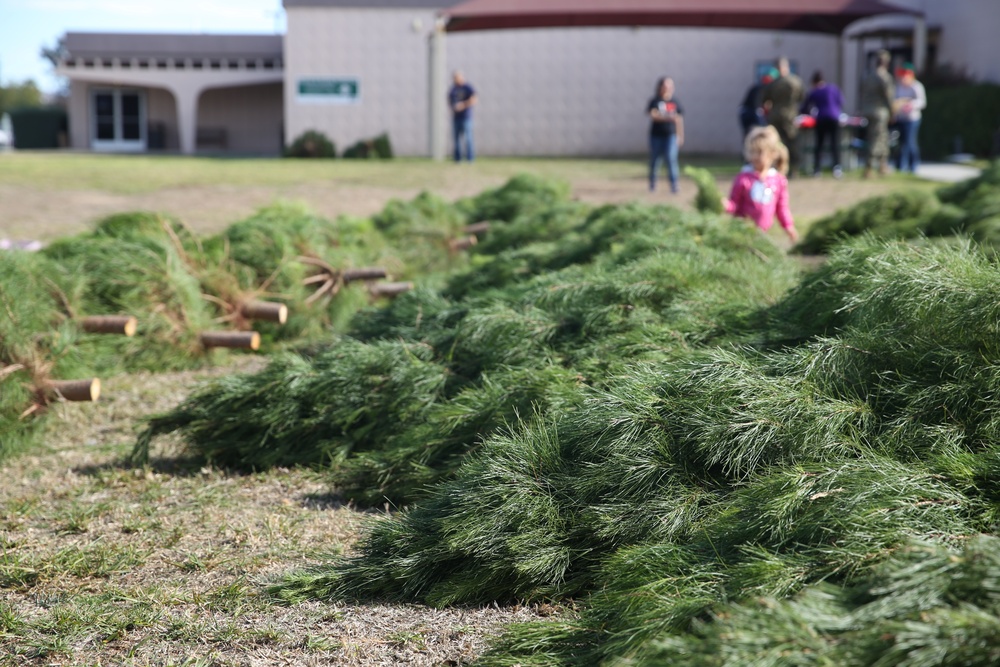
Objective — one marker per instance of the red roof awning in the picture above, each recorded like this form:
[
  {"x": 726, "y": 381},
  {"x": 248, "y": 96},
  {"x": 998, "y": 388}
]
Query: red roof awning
[{"x": 822, "y": 16}]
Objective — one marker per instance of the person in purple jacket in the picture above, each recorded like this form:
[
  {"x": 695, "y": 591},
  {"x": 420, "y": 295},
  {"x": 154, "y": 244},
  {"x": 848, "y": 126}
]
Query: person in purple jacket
[{"x": 825, "y": 102}]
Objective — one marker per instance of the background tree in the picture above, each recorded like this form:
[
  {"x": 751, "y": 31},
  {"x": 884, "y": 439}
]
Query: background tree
[{"x": 19, "y": 95}]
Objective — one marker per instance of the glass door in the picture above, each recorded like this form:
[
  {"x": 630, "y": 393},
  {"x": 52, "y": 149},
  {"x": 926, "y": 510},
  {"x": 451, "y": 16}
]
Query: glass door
[{"x": 119, "y": 120}]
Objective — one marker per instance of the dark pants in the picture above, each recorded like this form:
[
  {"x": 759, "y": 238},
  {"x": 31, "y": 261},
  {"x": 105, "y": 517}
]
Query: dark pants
[
  {"x": 749, "y": 120},
  {"x": 908, "y": 158},
  {"x": 789, "y": 136},
  {"x": 827, "y": 127},
  {"x": 663, "y": 149}
]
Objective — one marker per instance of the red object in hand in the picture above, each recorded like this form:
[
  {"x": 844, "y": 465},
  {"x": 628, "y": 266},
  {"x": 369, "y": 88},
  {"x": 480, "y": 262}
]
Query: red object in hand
[{"x": 806, "y": 121}]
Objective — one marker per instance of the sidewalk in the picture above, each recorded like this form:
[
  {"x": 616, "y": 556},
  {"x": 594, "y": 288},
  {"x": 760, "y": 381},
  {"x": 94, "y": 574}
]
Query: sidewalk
[{"x": 946, "y": 172}]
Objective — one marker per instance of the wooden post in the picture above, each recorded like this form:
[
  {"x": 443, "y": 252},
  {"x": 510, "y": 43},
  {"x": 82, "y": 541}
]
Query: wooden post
[
  {"x": 267, "y": 311},
  {"x": 75, "y": 390},
  {"x": 247, "y": 340},
  {"x": 462, "y": 244},
  {"x": 365, "y": 273},
  {"x": 110, "y": 324},
  {"x": 477, "y": 228},
  {"x": 389, "y": 289}
]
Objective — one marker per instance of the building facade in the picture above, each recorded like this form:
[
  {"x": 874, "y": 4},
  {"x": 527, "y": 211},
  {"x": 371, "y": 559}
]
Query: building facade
[
  {"x": 353, "y": 70},
  {"x": 177, "y": 93}
]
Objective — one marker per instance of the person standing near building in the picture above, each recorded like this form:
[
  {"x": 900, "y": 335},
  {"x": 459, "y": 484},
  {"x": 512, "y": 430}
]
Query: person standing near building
[
  {"x": 461, "y": 99},
  {"x": 781, "y": 100},
  {"x": 910, "y": 100},
  {"x": 877, "y": 94},
  {"x": 666, "y": 132},
  {"x": 750, "y": 112},
  {"x": 825, "y": 102}
]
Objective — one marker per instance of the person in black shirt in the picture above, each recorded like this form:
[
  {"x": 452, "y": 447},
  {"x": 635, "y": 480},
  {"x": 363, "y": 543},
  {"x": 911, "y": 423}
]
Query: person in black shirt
[{"x": 666, "y": 132}]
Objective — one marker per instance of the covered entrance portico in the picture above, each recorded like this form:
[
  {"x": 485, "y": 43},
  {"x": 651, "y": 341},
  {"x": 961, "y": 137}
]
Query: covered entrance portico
[{"x": 121, "y": 84}]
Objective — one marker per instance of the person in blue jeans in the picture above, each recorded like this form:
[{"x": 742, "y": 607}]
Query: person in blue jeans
[
  {"x": 461, "y": 99},
  {"x": 910, "y": 100},
  {"x": 666, "y": 132}
]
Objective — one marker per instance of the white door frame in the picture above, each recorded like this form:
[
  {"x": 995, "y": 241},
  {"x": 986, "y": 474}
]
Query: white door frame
[{"x": 118, "y": 143}]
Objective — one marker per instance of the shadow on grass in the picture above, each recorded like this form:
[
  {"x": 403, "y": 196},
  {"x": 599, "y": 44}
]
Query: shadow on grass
[{"x": 180, "y": 466}]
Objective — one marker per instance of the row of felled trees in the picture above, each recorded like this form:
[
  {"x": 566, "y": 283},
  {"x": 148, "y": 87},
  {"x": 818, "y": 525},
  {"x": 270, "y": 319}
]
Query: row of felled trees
[
  {"x": 182, "y": 293},
  {"x": 654, "y": 414}
]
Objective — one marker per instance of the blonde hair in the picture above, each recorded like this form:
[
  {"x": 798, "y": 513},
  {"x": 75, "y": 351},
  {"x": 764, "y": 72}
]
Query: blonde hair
[{"x": 762, "y": 140}]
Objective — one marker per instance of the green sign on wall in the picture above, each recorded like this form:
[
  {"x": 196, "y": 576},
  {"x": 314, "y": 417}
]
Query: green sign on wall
[{"x": 340, "y": 90}]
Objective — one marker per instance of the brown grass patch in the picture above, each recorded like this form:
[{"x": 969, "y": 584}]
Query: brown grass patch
[{"x": 166, "y": 565}]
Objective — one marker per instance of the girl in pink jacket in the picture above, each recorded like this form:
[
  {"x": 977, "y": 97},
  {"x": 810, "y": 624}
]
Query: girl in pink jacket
[{"x": 760, "y": 191}]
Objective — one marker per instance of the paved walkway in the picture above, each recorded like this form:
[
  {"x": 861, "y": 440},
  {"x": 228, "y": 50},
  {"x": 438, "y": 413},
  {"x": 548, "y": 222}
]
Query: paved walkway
[{"x": 946, "y": 172}]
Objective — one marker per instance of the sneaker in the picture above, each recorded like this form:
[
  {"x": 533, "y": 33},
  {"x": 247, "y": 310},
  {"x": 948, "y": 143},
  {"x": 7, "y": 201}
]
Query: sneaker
[{"x": 838, "y": 172}]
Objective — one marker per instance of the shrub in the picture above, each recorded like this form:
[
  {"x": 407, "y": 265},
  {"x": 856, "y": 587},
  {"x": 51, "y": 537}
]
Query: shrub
[
  {"x": 969, "y": 113},
  {"x": 311, "y": 143},
  {"x": 378, "y": 147}
]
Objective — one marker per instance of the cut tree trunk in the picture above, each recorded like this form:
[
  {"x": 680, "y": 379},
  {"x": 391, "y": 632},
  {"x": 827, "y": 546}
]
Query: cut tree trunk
[
  {"x": 75, "y": 390},
  {"x": 247, "y": 340},
  {"x": 477, "y": 228},
  {"x": 267, "y": 311},
  {"x": 110, "y": 324},
  {"x": 364, "y": 273},
  {"x": 463, "y": 243},
  {"x": 389, "y": 289}
]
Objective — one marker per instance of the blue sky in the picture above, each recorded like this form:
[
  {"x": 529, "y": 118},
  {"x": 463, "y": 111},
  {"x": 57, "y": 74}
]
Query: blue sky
[{"x": 27, "y": 26}]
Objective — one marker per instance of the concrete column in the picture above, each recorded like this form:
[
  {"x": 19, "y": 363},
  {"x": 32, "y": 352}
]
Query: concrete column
[
  {"x": 438, "y": 111},
  {"x": 841, "y": 40},
  {"x": 187, "y": 118},
  {"x": 920, "y": 44}
]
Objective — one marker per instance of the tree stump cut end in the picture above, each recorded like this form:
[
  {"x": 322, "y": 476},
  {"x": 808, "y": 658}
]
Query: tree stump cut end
[
  {"x": 390, "y": 289},
  {"x": 267, "y": 311},
  {"x": 463, "y": 243},
  {"x": 246, "y": 340},
  {"x": 80, "y": 391},
  {"x": 123, "y": 325},
  {"x": 363, "y": 273}
]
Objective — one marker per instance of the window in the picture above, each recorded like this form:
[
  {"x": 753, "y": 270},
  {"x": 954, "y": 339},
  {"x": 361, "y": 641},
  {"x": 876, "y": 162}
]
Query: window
[{"x": 119, "y": 119}]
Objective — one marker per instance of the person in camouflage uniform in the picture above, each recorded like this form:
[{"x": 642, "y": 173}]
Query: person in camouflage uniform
[
  {"x": 877, "y": 93},
  {"x": 781, "y": 100}
]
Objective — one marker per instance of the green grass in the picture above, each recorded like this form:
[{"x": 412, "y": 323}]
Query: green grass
[
  {"x": 130, "y": 174},
  {"x": 127, "y": 174}
]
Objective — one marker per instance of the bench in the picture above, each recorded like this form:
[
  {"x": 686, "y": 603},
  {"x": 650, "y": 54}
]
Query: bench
[{"x": 211, "y": 137}]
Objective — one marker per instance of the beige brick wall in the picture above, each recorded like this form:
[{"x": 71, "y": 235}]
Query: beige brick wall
[
  {"x": 542, "y": 92},
  {"x": 383, "y": 50}
]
